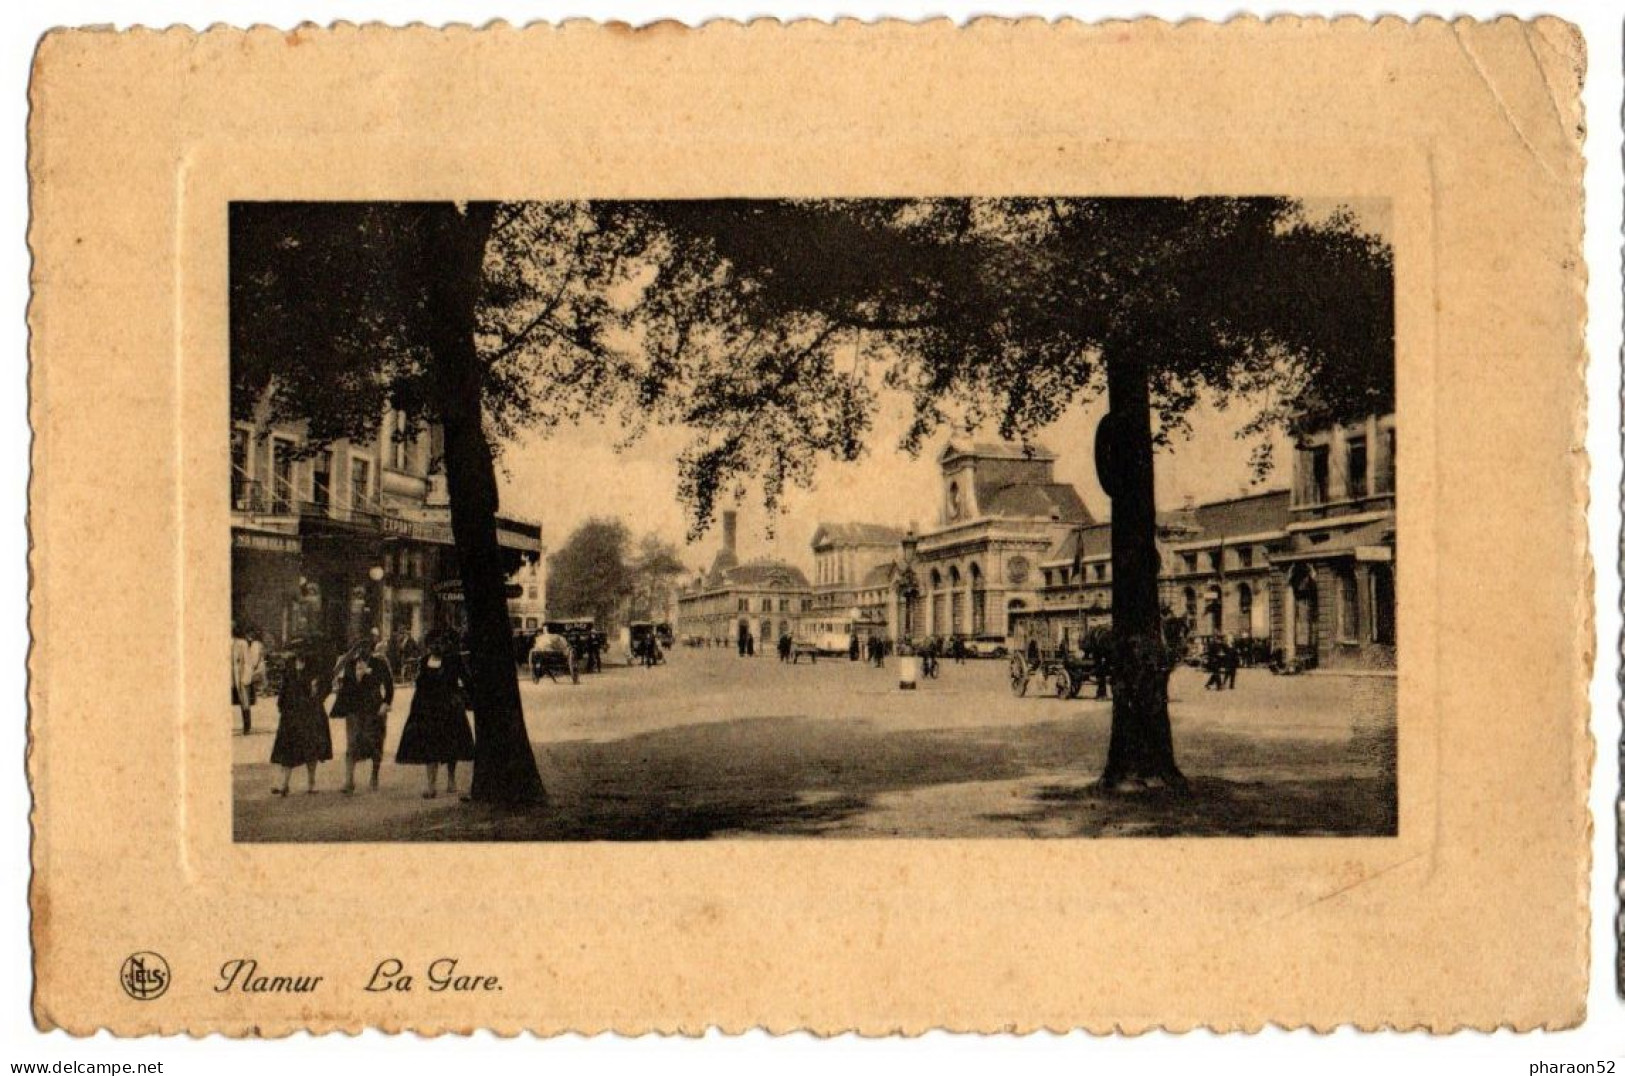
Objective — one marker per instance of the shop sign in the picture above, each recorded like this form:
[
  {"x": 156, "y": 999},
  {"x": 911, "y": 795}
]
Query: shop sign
[
  {"x": 268, "y": 543},
  {"x": 452, "y": 590},
  {"x": 418, "y": 530}
]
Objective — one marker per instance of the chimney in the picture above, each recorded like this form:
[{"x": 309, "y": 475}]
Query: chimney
[{"x": 730, "y": 530}]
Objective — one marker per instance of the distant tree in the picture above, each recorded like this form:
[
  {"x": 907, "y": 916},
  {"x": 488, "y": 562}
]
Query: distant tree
[
  {"x": 655, "y": 567},
  {"x": 591, "y": 573}
]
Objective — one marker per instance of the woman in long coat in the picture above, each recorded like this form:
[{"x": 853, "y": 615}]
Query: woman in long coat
[
  {"x": 437, "y": 729},
  {"x": 366, "y": 687},
  {"x": 302, "y": 735}
]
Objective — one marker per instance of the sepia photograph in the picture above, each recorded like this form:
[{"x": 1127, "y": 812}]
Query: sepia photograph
[
  {"x": 964, "y": 517},
  {"x": 844, "y": 528}
]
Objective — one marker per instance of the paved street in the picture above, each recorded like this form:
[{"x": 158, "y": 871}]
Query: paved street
[{"x": 712, "y": 745}]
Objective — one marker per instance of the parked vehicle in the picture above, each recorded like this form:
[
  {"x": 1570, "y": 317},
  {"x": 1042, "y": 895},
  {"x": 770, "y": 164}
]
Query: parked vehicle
[
  {"x": 550, "y": 654},
  {"x": 986, "y": 646},
  {"x": 824, "y": 638},
  {"x": 1060, "y": 673},
  {"x": 643, "y": 644},
  {"x": 585, "y": 639}
]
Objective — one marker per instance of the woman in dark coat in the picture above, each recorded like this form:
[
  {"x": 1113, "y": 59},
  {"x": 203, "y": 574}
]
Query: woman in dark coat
[
  {"x": 302, "y": 735},
  {"x": 365, "y": 689},
  {"x": 437, "y": 725}
]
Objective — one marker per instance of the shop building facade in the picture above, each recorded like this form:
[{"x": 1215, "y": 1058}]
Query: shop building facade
[
  {"x": 333, "y": 543},
  {"x": 1304, "y": 574},
  {"x": 1334, "y": 588}
]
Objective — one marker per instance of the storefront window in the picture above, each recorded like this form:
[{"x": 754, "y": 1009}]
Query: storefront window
[{"x": 1348, "y": 608}]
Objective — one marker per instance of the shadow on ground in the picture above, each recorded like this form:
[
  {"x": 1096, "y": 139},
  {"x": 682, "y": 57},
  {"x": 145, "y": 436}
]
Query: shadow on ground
[
  {"x": 801, "y": 777},
  {"x": 1214, "y": 807}
]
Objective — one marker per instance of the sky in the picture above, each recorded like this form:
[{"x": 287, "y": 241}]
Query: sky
[{"x": 575, "y": 474}]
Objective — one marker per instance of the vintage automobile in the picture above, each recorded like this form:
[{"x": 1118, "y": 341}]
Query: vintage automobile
[
  {"x": 824, "y": 638},
  {"x": 986, "y": 646}
]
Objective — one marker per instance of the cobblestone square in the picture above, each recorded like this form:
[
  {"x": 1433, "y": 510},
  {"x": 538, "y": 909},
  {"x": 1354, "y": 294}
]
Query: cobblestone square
[{"x": 713, "y": 745}]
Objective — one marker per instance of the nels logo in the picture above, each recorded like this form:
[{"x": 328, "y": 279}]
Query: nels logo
[{"x": 144, "y": 976}]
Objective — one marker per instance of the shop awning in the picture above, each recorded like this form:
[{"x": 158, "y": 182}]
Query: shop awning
[{"x": 518, "y": 534}]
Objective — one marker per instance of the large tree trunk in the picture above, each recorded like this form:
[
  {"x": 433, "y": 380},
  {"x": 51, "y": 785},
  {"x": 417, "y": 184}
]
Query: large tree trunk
[
  {"x": 1141, "y": 753},
  {"x": 504, "y": 765}
]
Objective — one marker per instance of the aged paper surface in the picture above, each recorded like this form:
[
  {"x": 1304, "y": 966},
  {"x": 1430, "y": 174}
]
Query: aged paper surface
[{"x": 173, "y": 892}]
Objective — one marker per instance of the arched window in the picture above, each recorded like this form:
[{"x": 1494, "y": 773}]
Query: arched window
[
  {"x": 978, "y": 601},
  {"x": 938, "y": 619}
]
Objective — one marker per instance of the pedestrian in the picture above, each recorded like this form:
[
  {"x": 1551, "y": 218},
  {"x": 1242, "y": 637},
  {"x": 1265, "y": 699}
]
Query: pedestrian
[
  {"x": 1213, "y": 662},
  {"x": 437, "y": 731},
  {"x": 365, "y": 690},
  {"x": 744, "y": 634},
  {"x": 785, "y": 644},
  {"x": 242, "y": 687},
  {"x": 1232, "y": 662},
  {"x": 852, "y": 647},
  {"x": 302, "y": 734},
  {"x": 1032, "y": 651},
  {"x": 959, "y": 650},
  {"x": 1103, "y": 662},
  {"x": 256, "y": 664}
]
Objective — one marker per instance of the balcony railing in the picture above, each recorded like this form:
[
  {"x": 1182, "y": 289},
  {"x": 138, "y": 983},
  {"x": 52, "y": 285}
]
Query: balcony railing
[{"x": 258, "y": 498}]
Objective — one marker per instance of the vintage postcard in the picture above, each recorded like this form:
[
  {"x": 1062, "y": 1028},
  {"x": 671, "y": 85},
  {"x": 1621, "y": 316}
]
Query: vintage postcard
[{"x": 837, "y": 527}]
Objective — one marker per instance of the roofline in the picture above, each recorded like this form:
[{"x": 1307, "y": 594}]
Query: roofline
[
  {"x": 1203, "y": 543},
  {"x": 1276, "y": 492},
  {"x": 1030, "y": 451},
  {"x": 1351, "y": 520}
]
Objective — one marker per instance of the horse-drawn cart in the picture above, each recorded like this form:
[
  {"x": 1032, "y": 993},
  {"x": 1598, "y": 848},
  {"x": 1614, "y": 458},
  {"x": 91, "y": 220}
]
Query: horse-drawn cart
[{"x": 1056, "y": 673}]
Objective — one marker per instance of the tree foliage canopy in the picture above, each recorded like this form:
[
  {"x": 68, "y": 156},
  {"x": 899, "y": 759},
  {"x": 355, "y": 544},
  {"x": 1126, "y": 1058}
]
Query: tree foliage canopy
[{"x": 767, "y": 328}]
